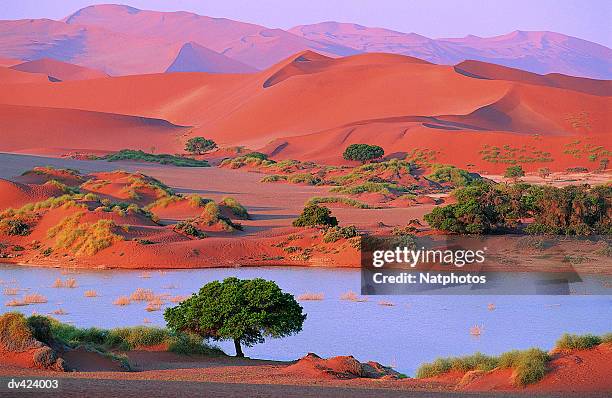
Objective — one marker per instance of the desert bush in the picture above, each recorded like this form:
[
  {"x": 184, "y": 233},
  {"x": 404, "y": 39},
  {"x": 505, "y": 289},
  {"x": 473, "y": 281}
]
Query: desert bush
[
  {"x": 187, "y": 227},
  {"x": 335, "y": 199},
  {"x": 15, "y": 333},
  {"x": 138, "y": 155},
  {"x": 514, "y": 172},
  {"x": 304, "y": 178},
  {"x": 274, "y": 178},
  {"x": 371, "y": 186},
  {"x": 529, "y": 365},
  {"x": 34, "y": 298},
  {"x": 16, "y": 227},
  {"x": 454, "y": 175},
  {"x": 476, "y": 361},
  {"x": 336, "y": 233},
  {"x": 141, "y": 294},
  {"x": 199, "y": 145},
  {"x": 235, "y": 207},
  {"x": 363, "y": 152},
  {"x": 577, "y": 342},
  {"x": 314, "y": 215},
  {"x": 83, "y": 238}
]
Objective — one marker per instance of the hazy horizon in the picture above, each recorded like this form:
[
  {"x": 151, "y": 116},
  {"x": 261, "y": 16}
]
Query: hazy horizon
[{"x": 435, "y": 19}]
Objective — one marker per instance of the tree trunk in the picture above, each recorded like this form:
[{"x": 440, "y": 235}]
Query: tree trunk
[{"x": 239, "y": 352}]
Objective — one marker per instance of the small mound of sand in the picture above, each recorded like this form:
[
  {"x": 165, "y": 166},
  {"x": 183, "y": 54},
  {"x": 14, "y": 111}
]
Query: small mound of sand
[{"x": 340, "y": 367}]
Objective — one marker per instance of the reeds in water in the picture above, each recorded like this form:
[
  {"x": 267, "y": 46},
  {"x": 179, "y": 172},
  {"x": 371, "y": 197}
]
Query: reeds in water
[{"x": 308, "y": 296}]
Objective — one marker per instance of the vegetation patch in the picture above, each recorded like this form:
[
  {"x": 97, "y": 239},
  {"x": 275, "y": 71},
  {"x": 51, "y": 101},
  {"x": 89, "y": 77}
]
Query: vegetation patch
[
  {"x": 340, "y": 200},
  {"x": 138, "y": 155},
  {"x": 235, "y": 207},
  {"x": 83, "y": 238},
  {"x": 450, "y": 174},
  {"x": 315, "y": 216}
]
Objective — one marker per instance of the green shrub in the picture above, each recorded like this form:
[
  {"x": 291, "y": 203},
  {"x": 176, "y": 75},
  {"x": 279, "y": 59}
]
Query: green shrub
[
  {"x": 17, "y": 227},
  {"x": 451, "y": 174},
  {"x": 274, "y": 178},
  {"x": 187, "y": 227},
  {"x": 529, "y": 365},
  {"x": 476, "y": 361},
  {"x": 129, "y": 154},
  {"x": 314, "y": 215},
  {"x": 41, "y": 328},
  {"x": 336, "y": 233},
  {"x": 15, "y": 333},
  {"x": 199, "y": 145},
  {"x": 514, "y": 172},
  {"x": 235, "y": 207},
  {"x": 363, "y": 152},
  {"x": 335, "y": 199},
  {"x": 577, "y": 342},
  {"x": 371, "y": 186},
  {"x": 192, "y": 344}
]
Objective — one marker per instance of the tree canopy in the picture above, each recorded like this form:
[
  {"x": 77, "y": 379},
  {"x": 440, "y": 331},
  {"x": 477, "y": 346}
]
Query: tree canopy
[
  {"x": 245, "y": 311},
  {"x": 363, "y": 152},
  {"x": 199, "y": 145}
]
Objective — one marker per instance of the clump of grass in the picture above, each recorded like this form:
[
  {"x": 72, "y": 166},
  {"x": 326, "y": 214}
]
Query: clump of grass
[
  {"x": 352, "y": 296},
  {"x": 386, "y": 303},
  {"x": 274, "y": 178},
  {"x": 440, "y": 366},
  {"x": 142, "y": 295},
  {"x": 83, "y": 238},
  {"x": 90, "y": 293},
  {"x": 577, "y": 342},
  {"x": 336, "y": 233},
  {"x": 336, "y": 199},
  {"x": 247, "y": 160},
  {"x": 15, "y": 333},
  {"x": 371, "y": 187},
  {"x": 197, "y": 200},
  {"x": 154, "y": 305},
  {"x": 16, "y": 303},
  {"x": 11, "y": 291},
  {"x": 529, "y": 365},
  {"x": 69, "y": 283},
  {"x": 188, "y": 227},
  {"x": 122, "y": 301},
  {"x": 308, "y": 296},
  {"x": 59, "y": 311},
  {"x": 138, "y": 155},
  {"x": 235, "y": 207},
  {"x": 178, "y": 299},
  {"x": 62, "y": 187},
  {"x": 35, "y": 298},
  {"x": 212, "y": 216}
]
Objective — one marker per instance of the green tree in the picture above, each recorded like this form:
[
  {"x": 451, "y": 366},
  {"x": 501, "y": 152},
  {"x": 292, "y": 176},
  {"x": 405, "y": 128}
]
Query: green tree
[
  {"x": 315, "y": 216},
  {"x": 363, "y": 152},
  {"x": 199, "y": 145},
  {"x": 245, "y": 311},
  {"x": 514, "y": 172}
]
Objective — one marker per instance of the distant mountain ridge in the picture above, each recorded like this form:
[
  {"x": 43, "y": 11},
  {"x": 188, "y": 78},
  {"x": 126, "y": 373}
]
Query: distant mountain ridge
[{"x": 121, "y": 40}]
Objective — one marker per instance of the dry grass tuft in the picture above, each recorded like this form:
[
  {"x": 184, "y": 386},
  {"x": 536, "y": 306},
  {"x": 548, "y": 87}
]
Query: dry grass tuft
[
  {"x": 11, "y": 291},
  {"x": 122, "y": 300},
  {"x": 90, "y": 293},
  {"x": 35, "y": 298},
  {"x": 352, "y": 296},
  {"x": 386, "y": 303},
  {"x": 476, "y": 330},
  {"x": 311, "y": 296},
  {"x": 70, "y": 283},
  {"x": 142, "y": 295},
  {"x": 16, "y": 303},
  {"x": 59, "y": 311}
]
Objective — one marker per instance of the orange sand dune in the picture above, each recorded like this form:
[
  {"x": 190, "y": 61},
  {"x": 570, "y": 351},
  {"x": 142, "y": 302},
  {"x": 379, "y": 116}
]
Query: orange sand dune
[
  {"x": 484, "y": 70},
  {"x": 15, "y": 194},
  {"x": 7, "y": 62},
  {"x": 27, "y": 127},
  {"x": 58, "y": 70},
  {"x": 310, "y": 93},
  {"x": 10, "y": 76}
]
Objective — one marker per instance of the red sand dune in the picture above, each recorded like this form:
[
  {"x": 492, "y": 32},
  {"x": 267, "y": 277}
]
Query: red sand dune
[
  {"x": 10, "y": 76},
  {"x": 396, "y": 97},
  {"x": 15, "y": 194},
  {"x": 58, "y": 70},
  {"x": 7, "y": 62},
  {"x": 484, "y": 70},
  {"x": 28, "y": 128}
]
